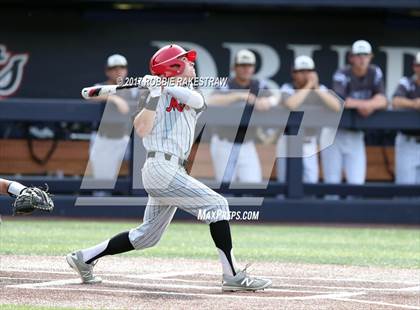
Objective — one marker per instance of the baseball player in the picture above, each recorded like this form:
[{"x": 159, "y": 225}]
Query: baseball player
[
  {"x": 110, "y": 143},
  {"x": 304, "y": 80},
  {"x": 166, "y": 124},
  {"x": 407, "y": 142},
  {"x": 243, "y": 87},
  {"x": 361, "y": 86},
  {"x": 28, "y": 199}
]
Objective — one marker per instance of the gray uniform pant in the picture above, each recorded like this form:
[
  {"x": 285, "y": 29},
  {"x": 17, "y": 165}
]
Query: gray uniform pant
[
  {"x": 170, "y": 187},
  {"x": 407, "y": 159}
]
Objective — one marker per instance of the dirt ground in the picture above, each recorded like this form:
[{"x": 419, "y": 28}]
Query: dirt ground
[{"x": 140, "y": 283}]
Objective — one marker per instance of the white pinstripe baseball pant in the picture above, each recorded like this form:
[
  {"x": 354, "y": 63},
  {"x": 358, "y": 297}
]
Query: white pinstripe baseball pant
[{"x": 170, "y": 187}]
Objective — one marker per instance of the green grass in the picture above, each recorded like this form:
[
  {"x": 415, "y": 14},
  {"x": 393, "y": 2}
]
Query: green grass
[{"x": 389, "y": 247}]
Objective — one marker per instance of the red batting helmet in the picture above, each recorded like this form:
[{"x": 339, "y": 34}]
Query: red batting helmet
[{"x": 165, "y": 61}]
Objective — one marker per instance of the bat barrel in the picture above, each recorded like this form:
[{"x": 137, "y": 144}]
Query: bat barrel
[{"x": 95, "y": 91}]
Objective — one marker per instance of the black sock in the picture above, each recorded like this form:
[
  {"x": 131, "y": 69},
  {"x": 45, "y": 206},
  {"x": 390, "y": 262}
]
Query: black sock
[
  {"x": 220, "y": 232},
  {"x": 117, "y": 244}
]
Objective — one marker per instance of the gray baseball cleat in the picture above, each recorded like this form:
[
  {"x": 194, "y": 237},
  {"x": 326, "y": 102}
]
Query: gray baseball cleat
[
  {"x": 243, "y": 282},
  {"x": 75, "y": 260}
]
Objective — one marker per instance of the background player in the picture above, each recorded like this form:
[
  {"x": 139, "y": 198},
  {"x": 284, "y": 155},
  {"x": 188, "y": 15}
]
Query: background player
[
  {"x": 167, "y": 125},
  {"x": 243, "y": 87},
  {"x": 110, "y": 143},
  {"x": 361, "y": 86},
  {"x": 300, "y": 91},
  {"x": 407, "y": 142}
]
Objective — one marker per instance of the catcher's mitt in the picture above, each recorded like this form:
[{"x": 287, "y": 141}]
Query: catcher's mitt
[{"x": 31, "y": 199}]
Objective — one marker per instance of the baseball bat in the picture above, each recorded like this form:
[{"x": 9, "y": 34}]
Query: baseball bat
[{"x": 100, "y": 90}]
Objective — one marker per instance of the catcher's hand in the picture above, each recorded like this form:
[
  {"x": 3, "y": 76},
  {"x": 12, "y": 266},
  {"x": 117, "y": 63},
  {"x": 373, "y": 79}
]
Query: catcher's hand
[{"x": 31, "y": 199}]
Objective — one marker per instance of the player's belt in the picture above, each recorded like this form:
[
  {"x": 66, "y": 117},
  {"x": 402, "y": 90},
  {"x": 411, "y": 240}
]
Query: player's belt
[{"x": 168, "y": 157}]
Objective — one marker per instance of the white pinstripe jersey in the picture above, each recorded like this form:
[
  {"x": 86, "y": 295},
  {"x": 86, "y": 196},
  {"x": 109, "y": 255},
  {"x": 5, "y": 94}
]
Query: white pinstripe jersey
[{"x": 173, "y": 129}]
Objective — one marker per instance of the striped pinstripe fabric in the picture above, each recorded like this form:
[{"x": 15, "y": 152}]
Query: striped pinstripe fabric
[
  {"x": 168, "y": 184},
  {"x": 173, "y": 131},
  {"x": 169, "y": 188}
]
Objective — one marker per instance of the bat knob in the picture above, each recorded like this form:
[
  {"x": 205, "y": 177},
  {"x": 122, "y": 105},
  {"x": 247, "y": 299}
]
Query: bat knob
[
  {"x": 89, "y": 92},
  {"x": 85, "y": 92}
]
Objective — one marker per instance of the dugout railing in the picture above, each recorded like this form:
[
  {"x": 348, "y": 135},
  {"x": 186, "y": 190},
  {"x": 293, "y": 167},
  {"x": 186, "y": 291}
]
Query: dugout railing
[{"x": 382, "y": 203}]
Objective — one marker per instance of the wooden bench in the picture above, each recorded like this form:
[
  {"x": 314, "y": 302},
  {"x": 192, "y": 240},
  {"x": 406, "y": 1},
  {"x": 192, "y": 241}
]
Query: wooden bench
[{"x": 71, "y": 157}]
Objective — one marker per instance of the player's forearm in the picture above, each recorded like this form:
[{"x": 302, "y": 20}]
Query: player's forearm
[
  {"x": 295, "y": 100},
  {"x": 98, "y": 99},
  {"x": 11, "y": 188},
  {"x": 223, "y": 99},
  {"x": 184, "y": 95},
  {"x": 329, "y": 100},
  {"x": 143, "y": 123},
  {"x": 403, "y": 103},
  {"x": 3, "y": 186},
  {"x": 101, "y": 98},
  {"x": 351, "y": 103},
  {"x": 378, "y": 102}
]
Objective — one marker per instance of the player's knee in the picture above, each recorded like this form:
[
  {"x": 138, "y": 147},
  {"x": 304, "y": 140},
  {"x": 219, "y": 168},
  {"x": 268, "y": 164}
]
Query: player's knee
[
  {"x": 152, "y": 242},
  {"x": 144, "y": 237},
  {"x": 221, "y": 209},
  {"x": 220, "y": 203},
  {"x": 223, "y": 203},
  {"x": 143, "y": 243}
]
